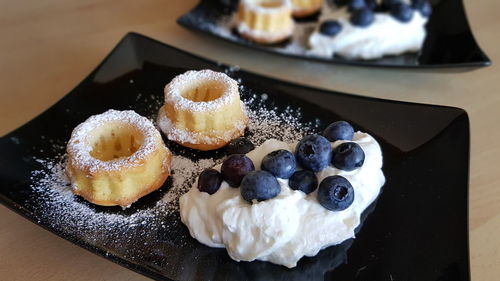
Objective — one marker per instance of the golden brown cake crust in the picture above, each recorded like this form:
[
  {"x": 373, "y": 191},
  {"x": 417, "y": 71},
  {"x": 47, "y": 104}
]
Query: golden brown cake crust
[
  {"x": 199, "y": 141},
  {"x": 116, "y": 157},
  {"x": 305, "y": 8},
  {"x": 125, "y": 202},
  {"x": 302, "y": 13},
  {"x": 202, "y": 110},
  {"x": 265, "y": 24}
]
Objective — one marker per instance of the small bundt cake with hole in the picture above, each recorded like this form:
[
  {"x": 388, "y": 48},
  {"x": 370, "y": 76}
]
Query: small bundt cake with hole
[
  {"x": 265, "y": 21},
  {"x": 202, "y": 110},
  {"x": 116, "y": 157},
  {"x": 304, "y": 8}
]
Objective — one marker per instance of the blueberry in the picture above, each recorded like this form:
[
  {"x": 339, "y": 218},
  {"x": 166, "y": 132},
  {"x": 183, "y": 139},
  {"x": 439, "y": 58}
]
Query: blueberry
[
  {"x": 209, "y": 181},
  {"x": 348, "y": 156},
  {"x": 362, "y": 17},
  {"x": 340, "y": 130},
  {"x": 240, "y": 145},
  {"x": 402, "y": 12},
  {"x": 260, "y": 185},
  {"x": 313, "y": 152},
  {"x": 423, "y": 6},
  {"x": 330, "y": 28},
  {"x": 356, "y": 5},
  {"x": 235, "y": 167},
  {"x": 281, "y": 163},
  {"x": 304, "y": 181},
  {"x": 335, "y": 193}
]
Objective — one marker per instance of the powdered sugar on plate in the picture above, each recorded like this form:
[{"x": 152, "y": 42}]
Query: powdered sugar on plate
[{"x": 156, "y": 216}]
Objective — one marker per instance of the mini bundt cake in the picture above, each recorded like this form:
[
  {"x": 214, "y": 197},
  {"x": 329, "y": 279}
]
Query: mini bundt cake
[
  {"x": 202, "y": 110},
  {"x": 304, "y": 8},
  {"x": 265, "y": 21},
  {"x": 116, "y": 157}
]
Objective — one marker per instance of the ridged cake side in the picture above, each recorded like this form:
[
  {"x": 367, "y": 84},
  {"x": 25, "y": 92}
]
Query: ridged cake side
[
  {"x": 208, "y": 123},
  {"x": 116, "y": 157},
  {"x": 265, "y": 21},
  {"x": 121, "y": 187},
  {"x": 304, "y": 8},
  {"x": 202, "y": 110}
]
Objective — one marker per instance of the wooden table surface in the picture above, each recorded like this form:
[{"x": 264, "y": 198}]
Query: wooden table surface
[{"x": 49, "y": 46}]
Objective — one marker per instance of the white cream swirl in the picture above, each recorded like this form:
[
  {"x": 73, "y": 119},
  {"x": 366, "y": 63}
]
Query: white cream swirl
[
  {"x": 292, "y": 225},
  {"x": 385, "y": 36}
]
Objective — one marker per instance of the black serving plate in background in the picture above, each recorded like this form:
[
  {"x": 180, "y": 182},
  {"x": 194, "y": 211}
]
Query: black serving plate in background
[
  {"x": 449, "y": 42},
  {"x": 418, "y": 229}
]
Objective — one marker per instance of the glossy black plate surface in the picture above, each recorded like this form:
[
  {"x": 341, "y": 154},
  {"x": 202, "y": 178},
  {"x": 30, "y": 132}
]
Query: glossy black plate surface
[
  {"x": 417, "y": 230},
  {"x": 449, "y": 42}
]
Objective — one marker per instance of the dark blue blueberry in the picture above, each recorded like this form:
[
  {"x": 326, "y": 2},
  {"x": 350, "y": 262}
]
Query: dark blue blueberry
[
  {"x": 304, "y": 181},
  {"x": 348, "y": 156},
  {"x": 423, "y": 7},
  {"x": 330, "y": 28},
  {"x": 259, "y": 185},
  {"x": 340, "y": 3},
  {"x": 340, "y": 130},
  {"x": 235, "y": 167},
  {"x": 335, "y": 193},
  {"x": 240, "y": 145},
  {"x": 281, "y": 163},
  {"x": 402, "y": 12},
  {"x": 209, "y": 181},
  {"x": 313, "y": 152},
  {"x": 362, "y": 17},
  {"x": 356, "y": 5}
]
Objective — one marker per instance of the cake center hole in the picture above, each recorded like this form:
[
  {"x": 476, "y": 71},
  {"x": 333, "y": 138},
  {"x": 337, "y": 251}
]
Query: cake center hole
[
  {"x": 203, "y": 92},
  {"x": 115, "y": 141}
]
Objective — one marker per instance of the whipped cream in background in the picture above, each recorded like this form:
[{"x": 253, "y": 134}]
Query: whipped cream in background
[
  {"x": 283, "y": 229},
  {"x": 385, "y": 36}
]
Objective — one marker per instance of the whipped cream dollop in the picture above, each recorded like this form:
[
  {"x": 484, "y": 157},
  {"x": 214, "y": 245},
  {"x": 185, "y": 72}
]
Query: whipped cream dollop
[
  {"x": 385, "y": 36},
  {"x": 289, "y": 226}
]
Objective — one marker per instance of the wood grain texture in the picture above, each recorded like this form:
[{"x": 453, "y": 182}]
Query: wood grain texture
[{"x": 49, "y": 46}]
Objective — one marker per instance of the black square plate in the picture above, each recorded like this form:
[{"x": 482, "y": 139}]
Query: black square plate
[
  {"x": 418, "y": 229},
  {"x": 449, "y": 42}
]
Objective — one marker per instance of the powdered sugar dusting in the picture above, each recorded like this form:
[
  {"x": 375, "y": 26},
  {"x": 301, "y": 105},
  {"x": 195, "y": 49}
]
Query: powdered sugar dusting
[
  {"x": 175, "y": 134},
  {"x": 80, "y": 148},
  {"x": 266, "y": 123},
  {"x": 255, "y": 5},
  {"x": 63, "y": 210},
  {"x": 173, "y": 90},
  {"x": 154, "y": 218},
  {"x": 185, "y": 171}
]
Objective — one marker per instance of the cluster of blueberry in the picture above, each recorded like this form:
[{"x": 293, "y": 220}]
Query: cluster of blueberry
[
  {"x": 363, "y": 12},
  {"x": 313, "y": 153}
]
